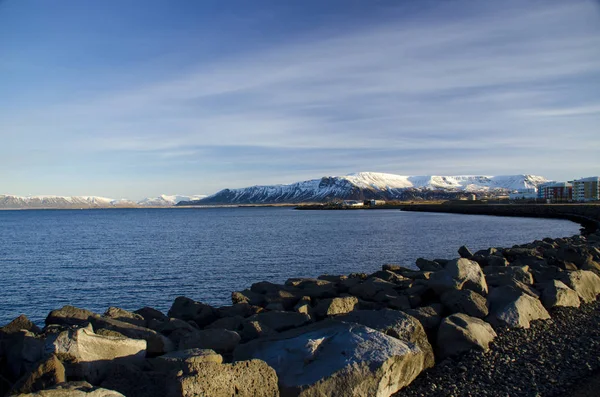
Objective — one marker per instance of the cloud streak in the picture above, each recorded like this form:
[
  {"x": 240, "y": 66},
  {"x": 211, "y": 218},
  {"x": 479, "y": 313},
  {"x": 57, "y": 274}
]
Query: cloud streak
[{"x": 486, "y": 81}]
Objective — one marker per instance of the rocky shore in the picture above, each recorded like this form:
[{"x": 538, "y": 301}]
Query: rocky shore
[{"x": 517, "y": 321}]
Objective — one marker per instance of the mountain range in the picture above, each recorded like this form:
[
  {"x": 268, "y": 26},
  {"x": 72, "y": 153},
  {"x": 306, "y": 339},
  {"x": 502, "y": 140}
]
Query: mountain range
[
  {"x": 357, "y": 186},
  {"x": 19, "y": 202},
  {"x": 371, "y": 185}
]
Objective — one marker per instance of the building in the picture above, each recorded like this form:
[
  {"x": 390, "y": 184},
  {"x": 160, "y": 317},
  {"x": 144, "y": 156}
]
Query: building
[
  {"x": 556, "y": 192},
  {"x": 586, "y": 189},
  {"x": 353, "y": 203},
  {"x": 374, "y": 203},
  {"x": 524, "y": 194}
]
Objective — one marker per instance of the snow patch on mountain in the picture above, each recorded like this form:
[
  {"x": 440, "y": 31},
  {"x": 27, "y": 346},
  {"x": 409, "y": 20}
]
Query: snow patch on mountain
[
  {"x": 369, "y": 185},
  {"x": 166, "y": 201},
  {"x": 49, "y": 201}
]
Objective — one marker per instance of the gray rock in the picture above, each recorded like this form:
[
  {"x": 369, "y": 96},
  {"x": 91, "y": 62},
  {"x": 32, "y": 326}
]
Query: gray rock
[
  {"x": 19, "y": 323},
  {"x": 502, "y": 275},
  {"x": 125, "y": 316},
  {"x": 49, "y": 372},
  {"x": 369, "y": 288},
  {"x": 429, "y": 316},
  {"x": 187, "y": 309},
  {"x": 460, "y": 332},
  {"x": 394, "y": 323},
  {"x": 238, "y": 309},
  {"x": 464, "y": 252},
  {"x": 465, "y": 301},
  {"x": 157, "y": 343},
  {"x": 248, "y": 297},
  {"x": 459, "y": 274},
  {"x": 73, "y": 389},
  {"x": 281, "y": 321},
  {"x": 333, "y": 358},
  {"x": 149, "y": 313},
  {"x": 252, "y": 378},
  {"x": 91, "y": 355},
  {"x": 335, "y": 306},
  {"x": 70, "y": 315},
  {"x": 585, "y": 283},
  {"x": 515, "y": 309},
  {"x": 185, "y": 360},
  {"x": 231, "y": 323},
  {"x": 427, "y": 265},
  {"x": 220, "y": 340},
  {"x": 253, "y": 330},
  {"x": 556, "y": 293}
]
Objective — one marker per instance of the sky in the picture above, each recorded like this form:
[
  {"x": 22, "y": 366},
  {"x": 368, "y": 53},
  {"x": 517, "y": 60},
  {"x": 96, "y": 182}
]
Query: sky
[{"x": 132, "y": 99}]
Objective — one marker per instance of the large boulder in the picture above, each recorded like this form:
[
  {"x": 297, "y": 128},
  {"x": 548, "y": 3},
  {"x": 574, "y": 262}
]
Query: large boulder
[
  {"x": 150, "y": 313},
  {"x": 459, "y": 273},
  {"x": 116, "y": 313},
  {"x": 221, "y": 340},
  {"x": 334, "y": 306},
  {"x": 187, "y": 309},
  {"x": 513, "y": 308},
  {"x": 185, "y": 360},
  {"x": 157, "y": 344},
  {"x": 48, "y": 372},
  {"x": 90, "y": 356},
  {"x": 465, "y": 301},
  {"x": 427, "y": 265},
  {"x": 21, "y": 351},
  {"x": 254, "y": 330},
  {"x": 585, "y": 283},
  {"x": 281, "y": 321},
  {"x": 394, "y": 323},
  {"x": 460, "y": 332},
  {"x": 429, "y": 316},
  {"x": 370, "y": 288},
  {"x": 253, "y": 378},
  {"x": 133, "y": 381},
  {"x": 73, "y": 389},
  {"x": 19, "y": 323},
  {"x": 556, "y": 293},
  {"x": 502, "y": 275},
  {"x": 70, "y": 315},
  {"x": 333, "y": 358}
]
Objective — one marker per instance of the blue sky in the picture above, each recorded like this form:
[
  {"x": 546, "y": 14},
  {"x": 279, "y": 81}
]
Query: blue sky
[{"x": 138, "y": 98}]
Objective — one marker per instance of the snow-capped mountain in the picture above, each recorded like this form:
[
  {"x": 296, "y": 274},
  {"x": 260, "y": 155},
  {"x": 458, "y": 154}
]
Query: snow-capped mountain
[
  {"x": 369, "y": 185},
  {"x": 167, "y": 201},
  {"x": 20, "y": 202}
]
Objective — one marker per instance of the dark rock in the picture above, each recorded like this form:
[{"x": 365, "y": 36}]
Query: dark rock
[
  {"x": 188, "y": 309},
  {"x": 464, "y": 252},
  {"x": 465, "y": 301},
  {"x": 70, "y": 315}
]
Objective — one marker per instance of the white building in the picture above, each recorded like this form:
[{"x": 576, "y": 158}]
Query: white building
[{"x": 586, "y": 189}]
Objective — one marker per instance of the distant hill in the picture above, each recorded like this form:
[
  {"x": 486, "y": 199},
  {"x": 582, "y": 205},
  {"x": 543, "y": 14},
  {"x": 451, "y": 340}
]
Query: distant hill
[
  {"x": 65, "y": 202},
  {"x": 369, "y": 185}
]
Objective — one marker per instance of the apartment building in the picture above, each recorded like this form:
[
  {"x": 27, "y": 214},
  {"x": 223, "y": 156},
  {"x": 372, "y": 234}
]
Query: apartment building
[
  {"x": 556, "y": 192},
  {"x": 586, "y": 189}
]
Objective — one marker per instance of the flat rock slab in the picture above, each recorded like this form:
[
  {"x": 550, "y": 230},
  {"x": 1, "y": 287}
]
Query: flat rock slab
[
  {"x": 73, "y": 389},
  {"x": 334, "y": 358},
  {"x": 394, "y": 323},
  {"x": 253, "y": 378}
]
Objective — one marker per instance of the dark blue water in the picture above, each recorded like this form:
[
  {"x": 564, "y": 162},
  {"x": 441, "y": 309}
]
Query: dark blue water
[{"x": 146, "y": 257}]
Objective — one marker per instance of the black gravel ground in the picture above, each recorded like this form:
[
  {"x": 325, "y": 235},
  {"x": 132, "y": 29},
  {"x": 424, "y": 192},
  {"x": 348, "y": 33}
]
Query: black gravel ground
[{"x": 558, "y": 357}]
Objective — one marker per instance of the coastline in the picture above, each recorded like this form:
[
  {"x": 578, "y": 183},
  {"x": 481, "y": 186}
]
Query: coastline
[{"x": 400, "y": 307}]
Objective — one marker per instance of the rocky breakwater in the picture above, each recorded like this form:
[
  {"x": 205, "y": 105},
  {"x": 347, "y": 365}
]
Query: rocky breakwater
[{"x": 336, "y": 335}]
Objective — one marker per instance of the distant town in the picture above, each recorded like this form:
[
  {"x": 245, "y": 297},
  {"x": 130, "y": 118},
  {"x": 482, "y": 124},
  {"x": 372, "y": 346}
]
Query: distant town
[{"x": 578, "y": 190}]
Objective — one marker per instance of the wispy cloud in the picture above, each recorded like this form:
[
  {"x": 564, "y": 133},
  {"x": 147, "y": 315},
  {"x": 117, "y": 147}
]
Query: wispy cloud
[{"x": 492, "y": 79}]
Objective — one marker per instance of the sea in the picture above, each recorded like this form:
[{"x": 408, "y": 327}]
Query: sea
[{"x": 131, "y": 258}]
